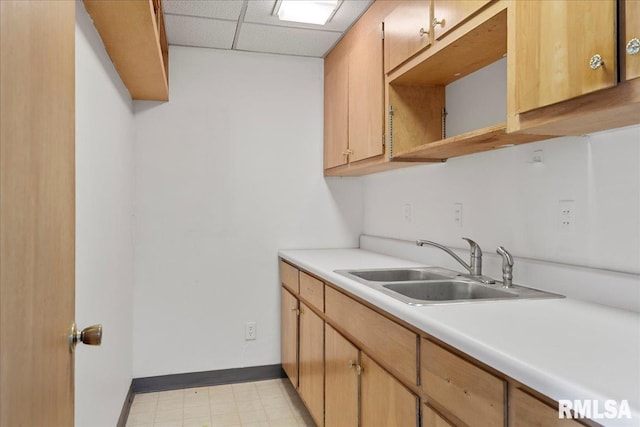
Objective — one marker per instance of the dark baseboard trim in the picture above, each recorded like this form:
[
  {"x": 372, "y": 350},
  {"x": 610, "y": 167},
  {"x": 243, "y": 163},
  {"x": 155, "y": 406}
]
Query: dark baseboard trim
[
  {"x": 207, "y": 378},
  {"x": 126, "y": 407}
]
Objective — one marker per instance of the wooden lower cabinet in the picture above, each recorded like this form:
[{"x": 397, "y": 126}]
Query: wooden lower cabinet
[
  {"x": 311, "y": 363},
  {"x": 384, "y": 400},
  {"x": 470, "y": 393},
  {"x": 431, "y": 418},
  {"x": 341, "y": 380},
  {"x": 527, "y": 411},
  {"x": 289, "y": 340}
]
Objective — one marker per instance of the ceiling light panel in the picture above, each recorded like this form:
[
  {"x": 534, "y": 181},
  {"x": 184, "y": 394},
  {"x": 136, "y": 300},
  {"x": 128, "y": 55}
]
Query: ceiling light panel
[
  {"x": 306, "y": 11},
  {"x": 261, "y": 12},
  {"x": 219, "y": 9}
]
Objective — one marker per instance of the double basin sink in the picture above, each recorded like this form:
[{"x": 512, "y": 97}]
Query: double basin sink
[{"x": 436, "y": 285}]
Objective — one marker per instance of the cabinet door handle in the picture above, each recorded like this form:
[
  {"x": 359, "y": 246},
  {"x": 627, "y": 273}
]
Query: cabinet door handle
[
  {"x": 347, "y": 152},
  {"x": 357, "y": 367},
  {"x": 441, "y": 22},
  {"x": 296, "y": 310},
  {"x": 596, "y": 62},
  {"x": 423, "y": 32},
  {"x": 633, "y": 47}
]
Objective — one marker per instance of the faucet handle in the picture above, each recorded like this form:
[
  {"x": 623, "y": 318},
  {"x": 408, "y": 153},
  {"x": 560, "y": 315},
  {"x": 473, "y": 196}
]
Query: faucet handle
[
  {"x": 507, "y": 266},
  {"x": 475, "y": 248},
  {"x": 476, "y": 257}
]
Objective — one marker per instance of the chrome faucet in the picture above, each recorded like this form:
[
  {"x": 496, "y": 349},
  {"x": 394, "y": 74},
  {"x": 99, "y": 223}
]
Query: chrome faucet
[
  {"x": 507, "y": 267},
  {"x": 475, "y": 266}
]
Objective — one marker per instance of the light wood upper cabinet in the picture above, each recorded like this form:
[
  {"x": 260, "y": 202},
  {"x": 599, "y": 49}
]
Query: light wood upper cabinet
[
  {"x": 631, "y": 39},
  {"x": 341, "y": 380},
  {"x": 336, "y": 110},
  {"x": 311, "y": 362},
  {"x": 134, "y": 36},
  {"x": 366, "y": 96},
  {"x": 289, "y": 335},
  {"x": 406, "y": 32},
  {"x": 556, "y": 48},
  {"x": 447, "y": 14}
]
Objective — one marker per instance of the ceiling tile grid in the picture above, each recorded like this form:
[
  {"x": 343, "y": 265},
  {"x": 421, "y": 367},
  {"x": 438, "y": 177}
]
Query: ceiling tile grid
[
  {"x": 285, "y": 40},
  {"x": 250, "y": 25}
]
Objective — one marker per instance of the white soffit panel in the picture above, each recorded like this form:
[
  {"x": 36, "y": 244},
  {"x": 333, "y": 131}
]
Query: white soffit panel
[
  {"x": 260, "y": 12},
  {"x": 220, "y": 9},
  {"x": 285, "y": 40},
  {"x": 199, "y": 32}
]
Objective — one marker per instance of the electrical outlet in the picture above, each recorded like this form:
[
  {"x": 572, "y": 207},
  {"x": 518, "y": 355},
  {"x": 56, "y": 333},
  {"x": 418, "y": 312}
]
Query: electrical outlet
[
  {"x": 406, "y": 212},
  {"x": 567, "y": 215},
  {"x": 250, "y": 332},
  {"x": 457, "y": 214}
]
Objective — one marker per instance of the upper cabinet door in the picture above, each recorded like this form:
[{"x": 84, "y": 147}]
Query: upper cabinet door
[
  {"x": 447, "y": 14},
  {"x": 366, "y": 95},
  {"x": 336, "y": 110},
  {"x": 406, "y": 32},
  {"x": 631, "y": 48},
  {"x": 563, "y": 49}
]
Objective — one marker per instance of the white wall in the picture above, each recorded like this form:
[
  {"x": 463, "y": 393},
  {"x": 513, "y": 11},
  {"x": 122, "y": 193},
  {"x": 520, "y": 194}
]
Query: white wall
[
  {"x": 104, "y": 229},
  {"x": 228, "y": 172},
  {"x": 509, "y": 200}
]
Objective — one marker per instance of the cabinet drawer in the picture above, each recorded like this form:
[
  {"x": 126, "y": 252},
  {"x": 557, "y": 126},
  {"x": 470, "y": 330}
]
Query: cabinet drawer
[
  {"x": 289, "y": 277},
  {"x": 527, "y": 411},
  {"x": 312, "y": 290},
  {"x": 392, "y": 345},
  {"x": 470, "y": 393}
]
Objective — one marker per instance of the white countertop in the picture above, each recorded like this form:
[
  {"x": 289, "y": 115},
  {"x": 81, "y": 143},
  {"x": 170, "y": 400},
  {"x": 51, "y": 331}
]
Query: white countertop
[{"x": 563, "y": 348}]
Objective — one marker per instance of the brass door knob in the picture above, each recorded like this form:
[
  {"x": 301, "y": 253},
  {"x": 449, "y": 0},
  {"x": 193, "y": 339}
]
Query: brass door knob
[{"x": 91, "y": 335}]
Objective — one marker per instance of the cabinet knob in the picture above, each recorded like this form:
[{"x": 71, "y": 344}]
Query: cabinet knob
[
  {"x": 441, "y": 22},
  {"x": 596, "y": 62},
  {"x": 423, "y": 32},
  {"x": 295, "y": 310},
  {"x": 347, "y": 152},
  {"x": 633, "y": 47},
  {"x": 354, "y": 365}
]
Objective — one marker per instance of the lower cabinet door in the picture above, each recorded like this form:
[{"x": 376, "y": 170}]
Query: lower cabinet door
[
  {"x": 431, "y": 418},
  {"x": 341, "y": 380},
  {"x": 311, "y": 374},
  {"x": 384, "y": 400},
  {"x": 289, "y": 335}
]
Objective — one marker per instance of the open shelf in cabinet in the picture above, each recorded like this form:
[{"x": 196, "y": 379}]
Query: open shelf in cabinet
[
  {"x": 485, "y": 139},
  {"x": 417, "y": 95}
]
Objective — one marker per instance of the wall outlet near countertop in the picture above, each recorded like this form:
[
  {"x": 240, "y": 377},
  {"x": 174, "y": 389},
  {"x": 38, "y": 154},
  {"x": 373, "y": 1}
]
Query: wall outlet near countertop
[
  {"x": 566, "y": 218},
  {"x": 250, "y": 332}
]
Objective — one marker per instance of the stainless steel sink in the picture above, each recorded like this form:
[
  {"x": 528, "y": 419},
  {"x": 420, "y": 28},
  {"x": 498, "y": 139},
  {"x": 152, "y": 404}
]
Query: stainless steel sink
[
  {"x": 436, "y": 285},
  {"x": 446, "y": 290},
  {"x": 401, "y": 275}
]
